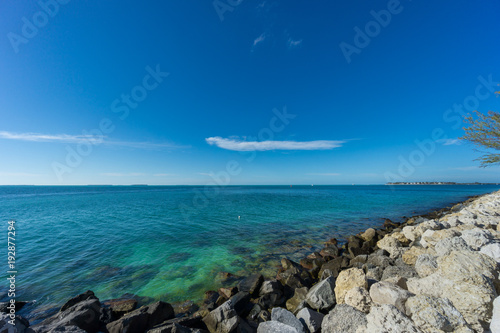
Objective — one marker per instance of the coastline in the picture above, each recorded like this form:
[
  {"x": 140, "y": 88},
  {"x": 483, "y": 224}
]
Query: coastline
[{"x": 293, "y": 283}]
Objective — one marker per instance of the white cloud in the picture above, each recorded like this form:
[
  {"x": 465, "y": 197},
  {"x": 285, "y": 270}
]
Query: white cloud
[
  {"x": 67, "y": 138},
  {"x": 450, "y": 142},
  {"x": 294, "y": 43},
  {"x": 239, "y": 145},
  {"x": 259, "y": 39}
]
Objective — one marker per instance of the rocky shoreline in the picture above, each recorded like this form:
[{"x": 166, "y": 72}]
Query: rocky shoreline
[{"x": 433, "y": 273}]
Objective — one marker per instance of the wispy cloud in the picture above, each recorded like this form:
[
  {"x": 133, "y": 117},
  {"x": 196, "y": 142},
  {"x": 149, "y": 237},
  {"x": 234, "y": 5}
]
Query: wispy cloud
[
  {"x": 450, "y": 142},
  {"x": 18, "y": 174},
  {"x": 294, "y": 43},
  {"x": 323, "y": 174},
  {"x": 240, "y": 145},
  {"x": 119, "y": 174},
  {"x": 67, "y": 138},
  {"x": 164, "y": 174},
  {"x": 259, "y": 39}
]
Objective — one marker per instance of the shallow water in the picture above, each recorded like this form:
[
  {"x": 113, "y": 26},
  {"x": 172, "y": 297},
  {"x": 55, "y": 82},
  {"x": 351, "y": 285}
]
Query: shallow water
[{"x": 162, "y": 242}]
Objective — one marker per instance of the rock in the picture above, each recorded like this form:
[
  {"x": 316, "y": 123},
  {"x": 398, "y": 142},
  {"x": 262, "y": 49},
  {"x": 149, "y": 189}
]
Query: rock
[
  {"x": 495, "y": 319},
  {"x": 275, "y": 327},
  {"x": 426, "y": 239},
  {"x": 298, "y": 301},
  {"x": 287, "y": 264},
  {"x": 492, "y": 250},
  {"x": 410, "y": 256},
  {"x": 251, "y": 284},
  {"x": 143, "y": 318},
  {"x": 476, "y": 238},
  {"x": 348, "y": 279},
  {"x": 89, "y": 294},
  {"x": 223, "y": 319},
  {"x": 391, "y": 245},
  {"x": 433, "y": 314},
  {"x": 373, "y": 273},
  {"x": 387, "y": 318},
  {"x": 446, "y": 245},
  {"x": 333, "y": 267},
  {"x": 359, "y": 298},
  {"x": 180, "y": 325},
  {"x": 18, "y": 305},
  {"x": 271, "y": 287},
  {"x": 241, "y": 303},
  {"x": 329, "y": 251},
  {"x": 343, "y": 319},
  {"x": 426, "y": 265},
  {"x": 20, "y": 324},
  {"x": 368, "y": 235},
  {"x": 410, "y": 233},
  {"x": 271, "y": 300},
  {"x": 379, "y": 260},
  {"x": 311, "y": 319},
  {"x": 399, "y": 236},
  {"x": 398, "y": 281},
  {"x": 322, "y": 296},
  {"x": 286, "y": 317},
  {"x": 120, "y": 306},
  {"x": 468, "y": 280},
  {"x": 388, "y": 293},
  {"x": 399, "y": 271}
]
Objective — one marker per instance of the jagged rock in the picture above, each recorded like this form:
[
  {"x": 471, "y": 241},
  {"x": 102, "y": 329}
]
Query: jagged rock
[
  {"x": 329, "y": 251},
  {"x": 399, "y": 271},
  {"x": 227, "y": 293},
  {"x": 20, "y": 324},
  {"x": 492, "y": 250},
  {"x": 120, "y": 306},
  {"x": 251, "y": 284},
  {"x": 387, "y": 318},
  {"x": 379, "y": 260},
  {"x": 89, "y": 294},
  {"x": 271, "y": 287},
  {"x": 286, "y": 317},
  {"x": 426, "y": 265},
  {"x": 333, "y": 267},
  {"x": 398, "y": 281},
  {"x": 298, "y": 301},
  {"x": 476, "y": 238},
  {"x": 223, "y": 319},
  {"x": 410, "y": 256},
  {"x": 359, "y": 298},
  {"x": 431, "y": 237},
  {"x": 241, "y": 303},
  {"x": 368, "y": 235},
  {"x": 468, "y": 280},
  {"x": 373, "y": 272},
  {"x": 180, "y": 325},
  {"x": 142, "y": 319},
  {"x": 343, "y": 319},
  {"x": 446, "y": 245},
  {"x": 348, "y": 279},
  {"x": 495, "y": 318},
  {"x": 311, "y": 319},
  {"x": 388, "y": 293},
  {"x": 399, "y": 236},
  {"x": 322, "y": 296},
  {"x": 275, "y": 327},
  {"x": 391, "y": 245},
  {"x": 432, "y": 314},
  {"x": 410, "y": 233}
]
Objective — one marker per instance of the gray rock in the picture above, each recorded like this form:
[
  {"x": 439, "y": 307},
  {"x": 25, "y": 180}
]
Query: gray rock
[
  {"x": 399, "y": 271},
  {"x": 426, "y": 265},
  {"x": 386, "y": 318},
  {"x": 432, "y": 313},
  {"x": 343, "y": 319},
  {"x": 223, "y": 319},
  {"x": 89, "y": 294},
  {"x": 286, "y": 317},
  {"x": 20, "y": 324},
  {"x": 495, "y": 319},
  {"x": 322, "y": 296},
  {"x": 298, "y": 301},
  {"x": 446, "y": 245},
  {"x": 143, "y": 318},
  {"x": 275, "y": 327},
  {"x": 388, "y": 293},
  {"x": 311, "y": 319},
  {"x": 251, "y": 284}
]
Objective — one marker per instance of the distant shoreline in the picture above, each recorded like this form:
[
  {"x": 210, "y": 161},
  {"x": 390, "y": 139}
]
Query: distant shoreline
[{"x": 439, "y": 183}]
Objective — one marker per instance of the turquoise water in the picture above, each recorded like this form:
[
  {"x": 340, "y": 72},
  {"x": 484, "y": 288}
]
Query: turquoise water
[{"x": 171, "y": 242}]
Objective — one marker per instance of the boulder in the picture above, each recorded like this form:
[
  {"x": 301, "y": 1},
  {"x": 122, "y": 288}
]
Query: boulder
[
  {"x": 492, "y": 250},
  {"x": 251, "y": 284},
  {"x": 432, "y": 314},
  {"x": 368, "y": 235},
  {"x": 410, "y": 233},
  {"x": 476, "y": 238},
  {"x": 271, "y": 287},
  {"x": 388, "y": 293},
  {"x": 343, "y": 319},
  {"x": 391, "y": 245},
  {"x": 405, "y": 271},
  {"x": 387, "y": 318},
  {"x": 322, "y": 296},
  {"x": 495, "y": 318},
  {"x": 348, "y": 279},
  {"x": 223, "y": 319},
  {"x": 446, "y": 245},
  {"x": 20, "y": 325},
  {"x": 286, "y": 317},
  {"x": 329, "y": 251},
  {"x": 298, "y": 301},
  {"x": 227, "y": 293},
  {"x": 379, "y": 260},
  {"x": 426, "y": 265},
  {"x": 143, "y": 318},
  {"x": 359, "y": 298},
  {"x": 275, "y": 327},
  {"x": 120, "y": 306},
  {"x": 312, "y": 320},
  {"x": 241, "y": 303},
  {"x": 333, "y": 267},
  {"x": 89, "y": 294}
]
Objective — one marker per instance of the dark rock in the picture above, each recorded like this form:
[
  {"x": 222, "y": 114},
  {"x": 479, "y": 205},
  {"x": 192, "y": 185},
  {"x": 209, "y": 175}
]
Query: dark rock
[
  {"x": 264, "y": 316},
  {"x": 224, "y": 319},
  {"x": 221, "y": 300},
  {"x": 251, "y": 284},
  {"x": 332, "y": 241},
  {"x": 361, "y": 259},
  {"x": 119, "y": 307},
  {"x": 287, "y": 264},
  {"x": 241, "y": 303},
  {"x": 314, "y": 255},
  {"x": 18, "y": 305},
  {"x": 298, "y": 301},
  {"x": 194, "y": 324},
  {"x": 388, "y": 224},
  {"x": 82, "y": 297},
  {"x": 186, "y": 307},
  {"x": 211, "y": 297},
  {"x": 254, "y": 313},
  {"x": 334, "y": 266},
  {"x": 228, "y": 292},
  {"x": 271, "y": 287},
  {"x": 143, "y": 318},
  {"x": 269, "y": 301},
  {"x": 381, "y": 261},
  {"x": 176, "y": 328},
  {"x": 20, "y": 324},
  {"x": 329, "y": 251}
]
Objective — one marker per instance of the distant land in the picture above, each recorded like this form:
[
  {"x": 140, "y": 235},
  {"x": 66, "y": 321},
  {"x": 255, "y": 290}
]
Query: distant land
[{"x": 439, "y": 183}]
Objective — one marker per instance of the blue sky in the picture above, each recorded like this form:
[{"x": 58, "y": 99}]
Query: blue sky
[{"x": 248, "y": 92}]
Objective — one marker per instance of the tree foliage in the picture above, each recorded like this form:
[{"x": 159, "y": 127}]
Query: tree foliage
[{"x": 484, "y": 132}]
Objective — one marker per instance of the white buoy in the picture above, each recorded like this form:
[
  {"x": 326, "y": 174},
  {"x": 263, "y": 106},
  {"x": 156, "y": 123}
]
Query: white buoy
[{"x": 239, "y": 217}]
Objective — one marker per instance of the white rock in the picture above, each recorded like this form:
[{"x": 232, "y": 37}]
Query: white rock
[
  {"x": 492, "y": 250},
  {"x": 446, "y": 245},
  {"x": 387, "y": 318},
  {"x": 286, "y": 317},
  {"x": 426, "y": 237},
  {"x": 359, "y": 298},
  {"x": 348, "y": 279},
  {"x": 476, "y": 238},
  {"x": 426, "y": 265},
  {"x": 343, "y": 319},
  {"x": 495, "y": 319},
  {"x": 388, "y": 293}
]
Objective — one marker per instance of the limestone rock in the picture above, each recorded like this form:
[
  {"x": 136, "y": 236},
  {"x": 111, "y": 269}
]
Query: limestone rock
[
  {"x": 391, "y": 245},
  {"x": 426, "y": 265},
  {"x": 495, "y": 319},
  {"x": 410, "y": 256},
  {"x": 476, "y": 238},
  {"x": 446, "y": 245},
  {"x": 359, "y": 298},
  {"x": 368, "y": 235},
  {"x": 348, "y": 279},
  {"x": 387, "y": 318},
  {"x": 343, "y": 319},
  {"x": 492, "y": 250},
  {"x": 388, "y": 293}
]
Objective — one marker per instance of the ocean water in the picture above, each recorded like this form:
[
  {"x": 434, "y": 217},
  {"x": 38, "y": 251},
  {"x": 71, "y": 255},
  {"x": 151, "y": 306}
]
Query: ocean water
[{"x": 171, "y": 242}]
